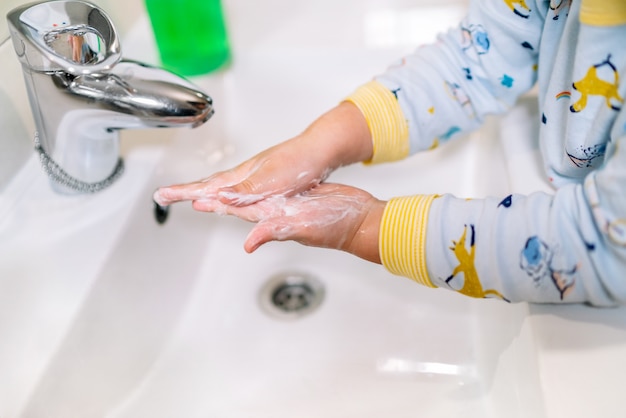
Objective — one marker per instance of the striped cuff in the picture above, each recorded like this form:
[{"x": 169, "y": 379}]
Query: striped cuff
[
  {"x": 603, "y": 12},
  {"x": 402, "y": 238},
  {"x": 386, "y": 122}
]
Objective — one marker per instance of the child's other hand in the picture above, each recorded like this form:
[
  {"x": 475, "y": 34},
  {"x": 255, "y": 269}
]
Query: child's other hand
[{"x": 329, "y": 215}]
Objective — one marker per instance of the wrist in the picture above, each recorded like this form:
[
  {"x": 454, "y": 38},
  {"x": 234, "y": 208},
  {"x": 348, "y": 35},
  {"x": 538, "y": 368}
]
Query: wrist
[
  {"x": 340, "y": 137},
  {"x": 364, "y": 242}
]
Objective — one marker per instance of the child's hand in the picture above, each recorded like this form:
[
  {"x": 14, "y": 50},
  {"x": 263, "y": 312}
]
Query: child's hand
[
  {"x": 280, "y": 170},
  {"x": 329, "y": 215},
  {"x": 337, "y": 138}
]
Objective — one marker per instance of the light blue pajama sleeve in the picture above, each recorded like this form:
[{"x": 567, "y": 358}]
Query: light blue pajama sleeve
[{"x": 479, "y": 68}]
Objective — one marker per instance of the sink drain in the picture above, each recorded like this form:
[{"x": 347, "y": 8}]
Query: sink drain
[{"x": 291, "y": 295}]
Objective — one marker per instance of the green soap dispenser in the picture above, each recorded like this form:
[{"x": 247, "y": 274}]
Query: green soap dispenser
[{"x": 190, "y": 34}]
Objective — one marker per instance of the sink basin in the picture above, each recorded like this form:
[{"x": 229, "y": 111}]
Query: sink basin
[
  {"x": 108, "y": 313},
  {"x": 185, "y": 334},
  {"x": 171, "y": 324}
]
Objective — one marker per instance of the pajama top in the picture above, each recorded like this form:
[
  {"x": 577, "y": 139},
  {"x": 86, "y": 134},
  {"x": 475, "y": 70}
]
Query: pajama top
[{"x": 569, "y": 246}]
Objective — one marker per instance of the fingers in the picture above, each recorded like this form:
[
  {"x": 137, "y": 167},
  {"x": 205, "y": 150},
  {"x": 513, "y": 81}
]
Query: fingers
[
  {"x": 279, "y": 171},
  {"x": 241, "y": 194},
  {"x": 327, "y": 216},
  {"x": 241, "y": 186},
  {"x": 272, "y": 176},
  {"x": 247, "y": 213},
  {"x": 270, "y": 208},
  {"x": 259, "y": 182},
  {"x": 202, "y": 189},
  {"x": 192, "y": 191},
  {"x": 272, "y": 219}
]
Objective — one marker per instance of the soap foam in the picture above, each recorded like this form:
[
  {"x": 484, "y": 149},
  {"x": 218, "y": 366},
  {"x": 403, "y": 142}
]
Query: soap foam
[{"x": 240, "y": 199}]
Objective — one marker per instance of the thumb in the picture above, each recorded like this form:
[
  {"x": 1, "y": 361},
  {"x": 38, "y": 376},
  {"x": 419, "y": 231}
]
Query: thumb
[{"x": 266, "y": 231}]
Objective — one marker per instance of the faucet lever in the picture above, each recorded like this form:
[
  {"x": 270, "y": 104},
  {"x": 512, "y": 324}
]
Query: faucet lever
[{"x": 74, "y": 36}]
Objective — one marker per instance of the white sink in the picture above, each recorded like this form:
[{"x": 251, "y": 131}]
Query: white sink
[
  {"x": 105, "y": 313},
  {"x": 112, "y": 314}
]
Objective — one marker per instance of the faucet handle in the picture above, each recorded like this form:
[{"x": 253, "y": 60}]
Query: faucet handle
[{"x": 74, "y": 36}]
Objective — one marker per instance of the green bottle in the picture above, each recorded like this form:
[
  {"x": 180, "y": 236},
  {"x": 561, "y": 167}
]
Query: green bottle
[{"x": 190, "y": 34}]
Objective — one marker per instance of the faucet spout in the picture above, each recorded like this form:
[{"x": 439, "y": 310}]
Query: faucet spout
[
  {"x": 149, "y": 96},
  {"x": 82, "y": 93}
]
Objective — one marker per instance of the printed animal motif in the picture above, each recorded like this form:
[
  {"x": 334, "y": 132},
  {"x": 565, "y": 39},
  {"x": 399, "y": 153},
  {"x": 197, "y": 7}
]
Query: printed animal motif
[
  {"x": 592, "y": 85},
  {"x": 585, "y": 157},
  {"x": 537, "y": 258},
  {"x": 507, "y": 201},
  {"x": 456, "y": 93},
  {"x": 522, "y": 10},
  {"x": 475, "y": 39},
  {"x": 558, "y": 6},
  {"x": 471, "y": 282}
]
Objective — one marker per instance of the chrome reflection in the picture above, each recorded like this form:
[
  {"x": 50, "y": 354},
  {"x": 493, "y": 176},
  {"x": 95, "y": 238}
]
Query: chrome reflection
[{"x": 79, "y": 44}]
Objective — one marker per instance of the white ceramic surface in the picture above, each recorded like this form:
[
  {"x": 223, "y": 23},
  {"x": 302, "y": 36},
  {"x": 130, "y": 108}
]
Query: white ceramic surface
[{"x": 105, "y": 313}]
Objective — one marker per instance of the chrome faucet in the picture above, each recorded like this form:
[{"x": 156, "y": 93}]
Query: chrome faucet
[{"x": 82, "y": 93}]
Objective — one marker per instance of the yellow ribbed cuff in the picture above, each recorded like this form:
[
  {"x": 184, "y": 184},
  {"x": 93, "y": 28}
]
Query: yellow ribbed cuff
[
  {"x": 603, "y": 12},
  {"x": 402, "y": 238},
  {"x": 386, "y": 122}
]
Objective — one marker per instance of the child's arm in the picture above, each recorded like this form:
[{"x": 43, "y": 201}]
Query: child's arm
[
  {"x": 448, "y": 88},
  {"x": 561, "y": 248},
  {"x": 570, "y": 247},
  {"x": 566, "y": 248}
]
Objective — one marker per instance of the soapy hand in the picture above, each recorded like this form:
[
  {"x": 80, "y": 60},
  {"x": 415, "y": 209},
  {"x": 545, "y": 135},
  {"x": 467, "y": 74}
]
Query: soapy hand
[
  {"x": 329, "y": 215},
  {"x": 337, "y": 138},
  {"x": 282, "y": 189},
  {"x": 279, "y": 170}
]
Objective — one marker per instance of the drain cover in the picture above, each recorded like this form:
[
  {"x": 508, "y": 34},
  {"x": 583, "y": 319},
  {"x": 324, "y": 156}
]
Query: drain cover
[{"x": 291, "y": 295}]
